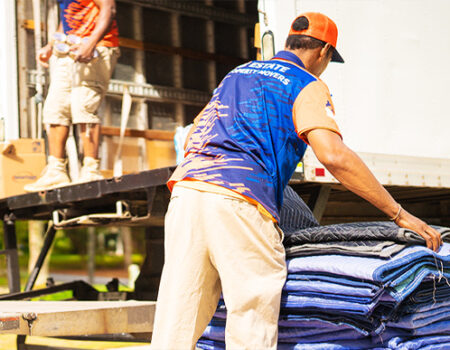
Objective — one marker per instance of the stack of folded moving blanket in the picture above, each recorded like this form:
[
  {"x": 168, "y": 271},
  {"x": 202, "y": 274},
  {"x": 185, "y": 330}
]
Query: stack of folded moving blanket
[{"x": 356, "y": 286}]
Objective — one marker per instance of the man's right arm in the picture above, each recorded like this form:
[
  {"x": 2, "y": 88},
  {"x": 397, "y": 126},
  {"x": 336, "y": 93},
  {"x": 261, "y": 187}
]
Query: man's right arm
[
  {"x": 313, "y": 115},
  {"x": 346, "y": 166},
  {"x": 44, "y": 53}
]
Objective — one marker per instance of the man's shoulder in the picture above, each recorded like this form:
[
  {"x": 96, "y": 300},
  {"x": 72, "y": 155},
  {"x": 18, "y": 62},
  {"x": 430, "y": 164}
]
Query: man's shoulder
[{"x": 318, "y": 85}]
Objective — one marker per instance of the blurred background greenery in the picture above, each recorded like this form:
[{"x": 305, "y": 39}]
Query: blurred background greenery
[{"x": 70, "y": 250}]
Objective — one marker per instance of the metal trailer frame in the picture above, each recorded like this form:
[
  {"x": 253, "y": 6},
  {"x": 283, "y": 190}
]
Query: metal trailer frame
[
  {"x": 131, "y": 200},
  {"x": 134, "y": 199}
]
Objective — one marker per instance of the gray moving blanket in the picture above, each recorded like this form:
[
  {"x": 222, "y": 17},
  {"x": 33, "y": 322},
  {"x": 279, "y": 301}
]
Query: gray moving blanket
[
  {"x": 377, "y": 239},
  {"x": 359, "y": 231},
  {"x": 294, "y": 213},
  {"x": 379, "y": 249},
  {"x": 304, "y": 235}
]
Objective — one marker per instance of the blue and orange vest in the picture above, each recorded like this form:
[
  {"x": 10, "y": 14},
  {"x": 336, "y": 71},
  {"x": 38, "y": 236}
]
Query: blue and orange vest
[{"x": 245, "y": 139}]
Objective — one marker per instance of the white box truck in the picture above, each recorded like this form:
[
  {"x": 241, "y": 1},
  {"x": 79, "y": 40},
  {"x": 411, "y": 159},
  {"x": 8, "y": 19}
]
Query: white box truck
[{"x": 390, "y": 95}]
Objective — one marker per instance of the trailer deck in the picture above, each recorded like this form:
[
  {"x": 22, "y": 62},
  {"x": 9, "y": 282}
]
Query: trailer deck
[{"x": 134, "y": 199}]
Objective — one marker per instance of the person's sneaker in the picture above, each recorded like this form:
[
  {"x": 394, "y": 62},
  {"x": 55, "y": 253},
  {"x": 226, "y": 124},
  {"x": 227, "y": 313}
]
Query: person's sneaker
[
  {"x": 54, "y": 175},
  {"x": 90, "y": 170}
]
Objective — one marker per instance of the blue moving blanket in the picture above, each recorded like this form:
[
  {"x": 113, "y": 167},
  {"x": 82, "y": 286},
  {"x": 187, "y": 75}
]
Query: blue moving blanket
[{"x": 356, "y": 286}]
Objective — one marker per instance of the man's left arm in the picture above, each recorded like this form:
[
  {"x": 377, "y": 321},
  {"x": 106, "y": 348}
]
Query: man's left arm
[{"x": 85, "y": 52}]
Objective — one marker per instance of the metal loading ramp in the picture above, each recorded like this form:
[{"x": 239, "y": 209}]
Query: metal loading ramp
[{"x": 72, "y": 318}]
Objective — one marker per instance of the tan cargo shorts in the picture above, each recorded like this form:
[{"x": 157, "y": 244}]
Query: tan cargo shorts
[{"x": 77, "y": 89}]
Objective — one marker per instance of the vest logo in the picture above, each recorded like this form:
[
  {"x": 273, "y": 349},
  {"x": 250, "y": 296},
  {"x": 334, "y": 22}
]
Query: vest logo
[
  {"x": 330, "y": 106},
  {"x": 24, "y": 177}
]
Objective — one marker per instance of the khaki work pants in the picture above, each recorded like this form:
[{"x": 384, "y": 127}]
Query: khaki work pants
[{"x": 217, "y": 243}]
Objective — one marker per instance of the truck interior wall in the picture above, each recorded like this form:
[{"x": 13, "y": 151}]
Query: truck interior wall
[
  {"x": 178, "y": 50},
  {"x": 173, "y": 55},
  {"x": 174, "y": 43}
]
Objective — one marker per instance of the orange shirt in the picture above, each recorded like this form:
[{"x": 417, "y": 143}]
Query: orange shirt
[{"x": 79, "y": 18}]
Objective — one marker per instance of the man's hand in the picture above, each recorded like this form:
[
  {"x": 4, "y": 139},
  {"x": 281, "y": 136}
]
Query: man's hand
[
  {"x": 431, "y": 236},
  {"x": 44, "y": 54},
  {"x": 350, "y": 171},
  {"x": 83, "y": 52}
]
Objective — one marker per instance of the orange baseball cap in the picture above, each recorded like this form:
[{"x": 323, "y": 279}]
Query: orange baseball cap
[{"x": 322, "y": 28}]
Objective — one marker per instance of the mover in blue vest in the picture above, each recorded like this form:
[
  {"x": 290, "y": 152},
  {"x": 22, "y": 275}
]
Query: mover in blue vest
[{"x": 221, "y": 228}]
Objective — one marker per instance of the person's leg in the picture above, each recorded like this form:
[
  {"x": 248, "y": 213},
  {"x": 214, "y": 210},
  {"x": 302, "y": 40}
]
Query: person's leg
[
  {"x": 251, "y": 262},
  {"x": 55, "y": 173},
  {"x": 90, "y": 83},
  {"x": 190, "y": 288},
  {"x": 57, "y": 116},
  {"x": 90, "y": 136},
  {"x": 57, "y": 137}
]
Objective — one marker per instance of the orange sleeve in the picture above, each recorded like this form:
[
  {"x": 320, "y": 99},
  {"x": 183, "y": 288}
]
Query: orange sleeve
[{"x": 314, "y": 109}]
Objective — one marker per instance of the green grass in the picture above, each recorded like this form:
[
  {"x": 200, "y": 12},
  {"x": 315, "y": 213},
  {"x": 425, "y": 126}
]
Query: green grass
[
  {"x": 64, "y": 295},
  {"x": 76, "y": 261},
  {"x": 4, "y": 280}
]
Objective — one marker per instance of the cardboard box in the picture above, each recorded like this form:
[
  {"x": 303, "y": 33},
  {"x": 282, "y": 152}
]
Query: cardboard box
[{"x": 21, "y": 162}]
